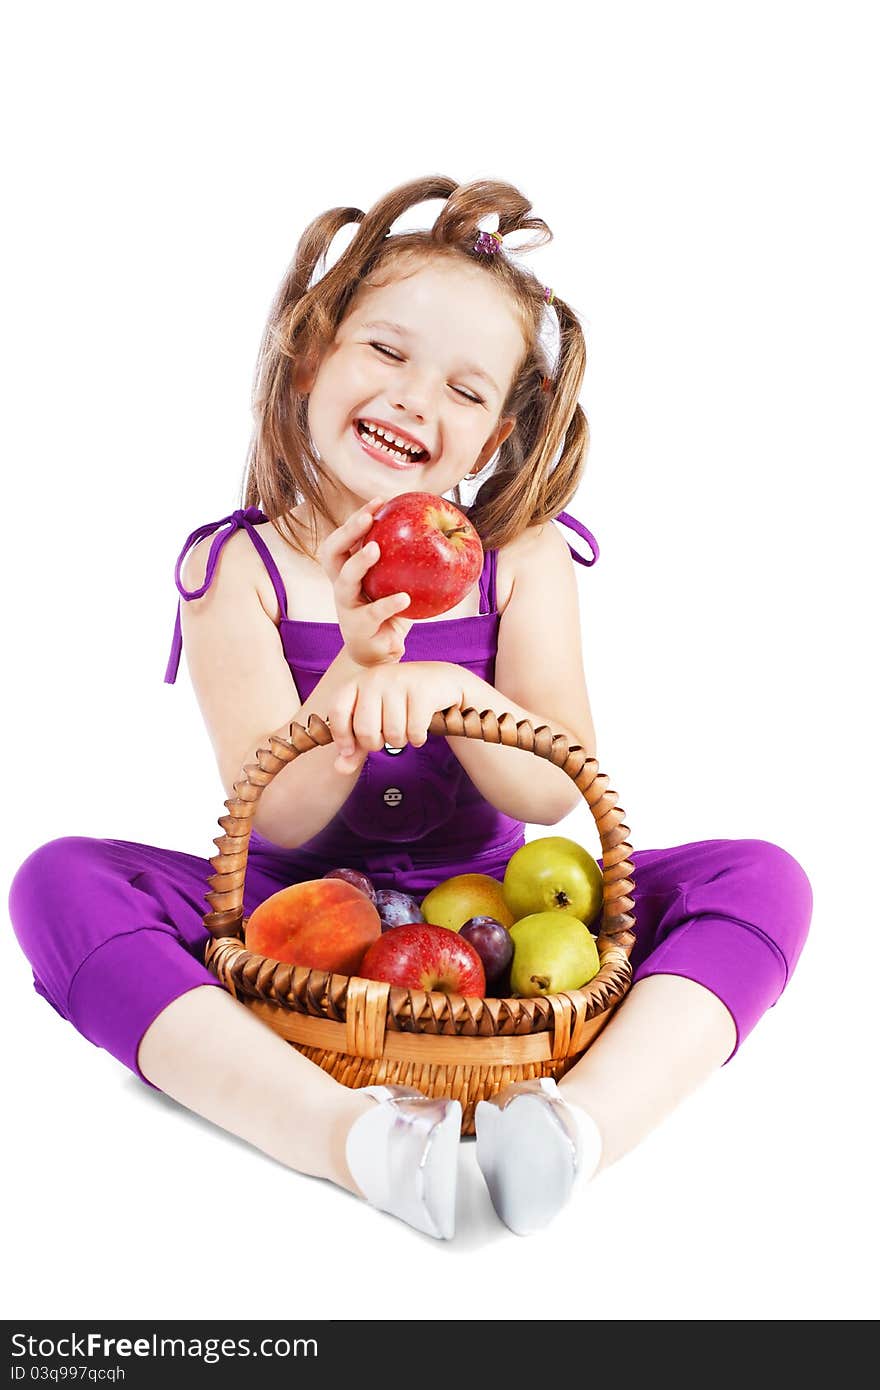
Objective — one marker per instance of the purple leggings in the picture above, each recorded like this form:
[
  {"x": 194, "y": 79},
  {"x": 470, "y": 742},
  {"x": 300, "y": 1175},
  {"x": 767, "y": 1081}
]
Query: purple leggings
[{"x": 114, "y": 930}]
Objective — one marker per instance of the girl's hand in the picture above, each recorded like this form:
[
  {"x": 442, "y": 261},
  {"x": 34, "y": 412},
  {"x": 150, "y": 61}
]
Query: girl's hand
[
  {"x": 390, "y": 704},
  {"x": 374, "y": 633}
]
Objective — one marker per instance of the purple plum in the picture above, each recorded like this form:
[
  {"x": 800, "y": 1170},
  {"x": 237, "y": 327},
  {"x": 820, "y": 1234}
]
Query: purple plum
[
  {"x": 500, "y": 987},
  {"x": 397, "y": 909},
  {"x": 492, "y": 943},
  {"x": 356, "y": 879}
]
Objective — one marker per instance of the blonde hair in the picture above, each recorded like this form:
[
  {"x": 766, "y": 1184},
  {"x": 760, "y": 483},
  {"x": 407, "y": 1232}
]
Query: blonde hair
[{"x": 523, "y": 487}]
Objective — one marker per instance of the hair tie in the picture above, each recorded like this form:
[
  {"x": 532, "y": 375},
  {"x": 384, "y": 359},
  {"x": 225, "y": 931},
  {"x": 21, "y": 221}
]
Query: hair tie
[{"x": 488, "y": 242}]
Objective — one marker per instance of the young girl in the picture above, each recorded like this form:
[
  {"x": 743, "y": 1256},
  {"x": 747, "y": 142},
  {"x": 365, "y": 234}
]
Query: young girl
[{"x": 414, "y": 364}]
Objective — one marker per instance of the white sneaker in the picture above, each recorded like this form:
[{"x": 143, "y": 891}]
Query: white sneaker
[
  {"x": 532, "y": 1146},
  {"x": 403, "y": 1155}
]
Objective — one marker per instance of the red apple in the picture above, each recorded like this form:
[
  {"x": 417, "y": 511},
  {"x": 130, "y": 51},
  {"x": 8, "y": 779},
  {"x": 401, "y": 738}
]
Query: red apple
[
  {"x": 429, "y": 550},
  {"x": 325, "y": 924},
  {"x": 421, "y": 956}
]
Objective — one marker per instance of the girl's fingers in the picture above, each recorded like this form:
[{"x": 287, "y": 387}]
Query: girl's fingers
[
  {"x": 384, "y": 608},
  {"x": 367, "y": 719},
  {"x": 400, "y": 625},
  {"x": 394, "y": 721},
  {"x": 340, "y": 721},
  {"x": 395, "y": 634},
  {"x": 419, "y": 717},
  {"x": 350, "y": 575},
  {"x": 333, "y": 551}
]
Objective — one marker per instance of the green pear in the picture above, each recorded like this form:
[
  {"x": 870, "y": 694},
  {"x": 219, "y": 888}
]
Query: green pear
[
  {"x": 551, "y": 951},
  {"x": 553, "y": 874}
]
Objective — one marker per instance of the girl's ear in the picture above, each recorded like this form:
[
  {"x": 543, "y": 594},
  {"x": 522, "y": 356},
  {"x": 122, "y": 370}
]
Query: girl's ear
[
  {"x": 305, "y": 372},
  {"x": 505, "y": 429},
  {"x": 492, "y": 444}
]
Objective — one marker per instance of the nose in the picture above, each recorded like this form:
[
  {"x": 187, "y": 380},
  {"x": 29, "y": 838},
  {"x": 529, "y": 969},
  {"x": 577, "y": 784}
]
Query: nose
[{"x": 414, "y": 394}]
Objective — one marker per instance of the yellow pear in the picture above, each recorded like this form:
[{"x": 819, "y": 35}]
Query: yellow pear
[{"x": 456, "y": 901}]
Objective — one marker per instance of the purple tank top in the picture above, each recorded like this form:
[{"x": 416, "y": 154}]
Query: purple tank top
[{"x": 414, "y": 817}]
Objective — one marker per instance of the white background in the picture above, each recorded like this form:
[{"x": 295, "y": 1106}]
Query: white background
[{"x": 709, "y": 175}]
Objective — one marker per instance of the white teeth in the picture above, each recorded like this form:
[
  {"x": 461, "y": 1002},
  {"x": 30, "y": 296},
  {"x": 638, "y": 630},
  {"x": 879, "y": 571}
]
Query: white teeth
[
  {"x": 395, "y": 453},
  {"x": 402, "y": 444}
]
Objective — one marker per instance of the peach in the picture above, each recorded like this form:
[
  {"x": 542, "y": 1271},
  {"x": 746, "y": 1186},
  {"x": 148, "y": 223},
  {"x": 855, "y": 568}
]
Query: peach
[{"x": 324, "y": 924}]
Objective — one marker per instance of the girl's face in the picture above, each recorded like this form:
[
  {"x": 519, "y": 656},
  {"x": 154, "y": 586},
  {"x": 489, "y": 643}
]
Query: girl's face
[{"x": 429, "y": 358}]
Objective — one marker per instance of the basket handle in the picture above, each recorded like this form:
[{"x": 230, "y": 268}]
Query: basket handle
[{"x": 618, "y": 874}]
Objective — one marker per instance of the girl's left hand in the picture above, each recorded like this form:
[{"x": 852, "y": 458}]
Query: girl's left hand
[{"x": 390, "y": 704}]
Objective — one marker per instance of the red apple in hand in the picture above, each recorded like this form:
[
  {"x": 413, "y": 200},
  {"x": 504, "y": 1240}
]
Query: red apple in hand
[
  {"x": 429, "y": 550},
  {"x": 421, "y": 956}
]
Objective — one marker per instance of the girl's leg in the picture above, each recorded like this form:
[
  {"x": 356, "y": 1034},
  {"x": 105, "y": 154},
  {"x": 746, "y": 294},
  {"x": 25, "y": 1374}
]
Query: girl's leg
[
  {"x": 217, "y": 1058},
  {"x": 667, "y": 1037},
  {"x": 720, "y": 926},
  {"x": 114, "y": 932}
]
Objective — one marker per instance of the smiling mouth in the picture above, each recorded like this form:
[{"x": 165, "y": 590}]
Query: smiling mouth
[{"x": 375, "y": 442}]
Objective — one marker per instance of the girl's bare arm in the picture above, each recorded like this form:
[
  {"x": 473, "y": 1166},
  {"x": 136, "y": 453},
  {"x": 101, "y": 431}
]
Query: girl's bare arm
[
  {"x": 245, "y": 692},
  {"x": 539, "y": 669}
]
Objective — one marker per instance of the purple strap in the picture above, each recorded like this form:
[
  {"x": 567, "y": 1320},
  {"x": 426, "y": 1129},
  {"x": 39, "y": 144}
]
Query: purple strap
[
  {"x": 488, "y": 602},
  {"x": 580, "y": 529},
  {"x": 244, "y": 518},
  {"x": 492, "y": 582}
]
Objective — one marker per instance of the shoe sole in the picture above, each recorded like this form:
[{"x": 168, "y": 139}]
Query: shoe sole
[
  {"x": 528, "y": 1159},
  {"x": 440, "y": 1172}
]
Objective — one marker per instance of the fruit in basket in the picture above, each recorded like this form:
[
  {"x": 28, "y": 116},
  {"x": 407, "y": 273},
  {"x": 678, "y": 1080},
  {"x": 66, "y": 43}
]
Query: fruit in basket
[
  {"x": 324, "y": 923},
  {"x": 500, "y": 988},
  {"x": 551, "y": 951},
  {"x": 397, "y": 909},
  {"x": 356, "y": 879},
  {"x": 553, "y": 874},
  {"x": 493, "y": 944},
  {"x": 422, "y": 956},
  {"x": 429, "y": 550},
  {"x": 458, "y": 899}
]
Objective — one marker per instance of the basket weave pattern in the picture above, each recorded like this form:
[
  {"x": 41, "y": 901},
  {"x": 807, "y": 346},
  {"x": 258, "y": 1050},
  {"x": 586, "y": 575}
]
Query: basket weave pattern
[{"x": 366, "y": 1032}]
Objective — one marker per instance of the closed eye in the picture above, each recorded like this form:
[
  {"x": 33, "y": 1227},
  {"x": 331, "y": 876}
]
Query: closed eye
[{"x": 386, "y": 352}]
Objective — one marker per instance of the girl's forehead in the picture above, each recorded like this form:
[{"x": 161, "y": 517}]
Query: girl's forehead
[{"x": 432, "y": 297}]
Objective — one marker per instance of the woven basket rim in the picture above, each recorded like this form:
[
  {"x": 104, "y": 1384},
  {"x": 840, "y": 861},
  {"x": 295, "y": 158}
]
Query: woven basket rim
[{"x": 322, "y": 994}]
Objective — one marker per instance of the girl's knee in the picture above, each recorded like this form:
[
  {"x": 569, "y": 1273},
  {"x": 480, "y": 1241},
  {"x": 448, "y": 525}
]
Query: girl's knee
[
  {"x": 779, "y": 872},
  {"x": 771, "y": 890},
  {"x": 53, "y": 863},
  {"x": 37, "y": 922},
  {"x": 42, "y": 875},
  {"x": 53, "y": 908}
]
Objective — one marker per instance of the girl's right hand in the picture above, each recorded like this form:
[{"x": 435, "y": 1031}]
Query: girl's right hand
[{"x": 374, "y": 633}]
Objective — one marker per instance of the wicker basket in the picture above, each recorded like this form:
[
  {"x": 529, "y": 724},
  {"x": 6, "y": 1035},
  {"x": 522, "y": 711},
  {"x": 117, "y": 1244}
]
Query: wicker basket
[{"x": 364, "y": 1032}]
